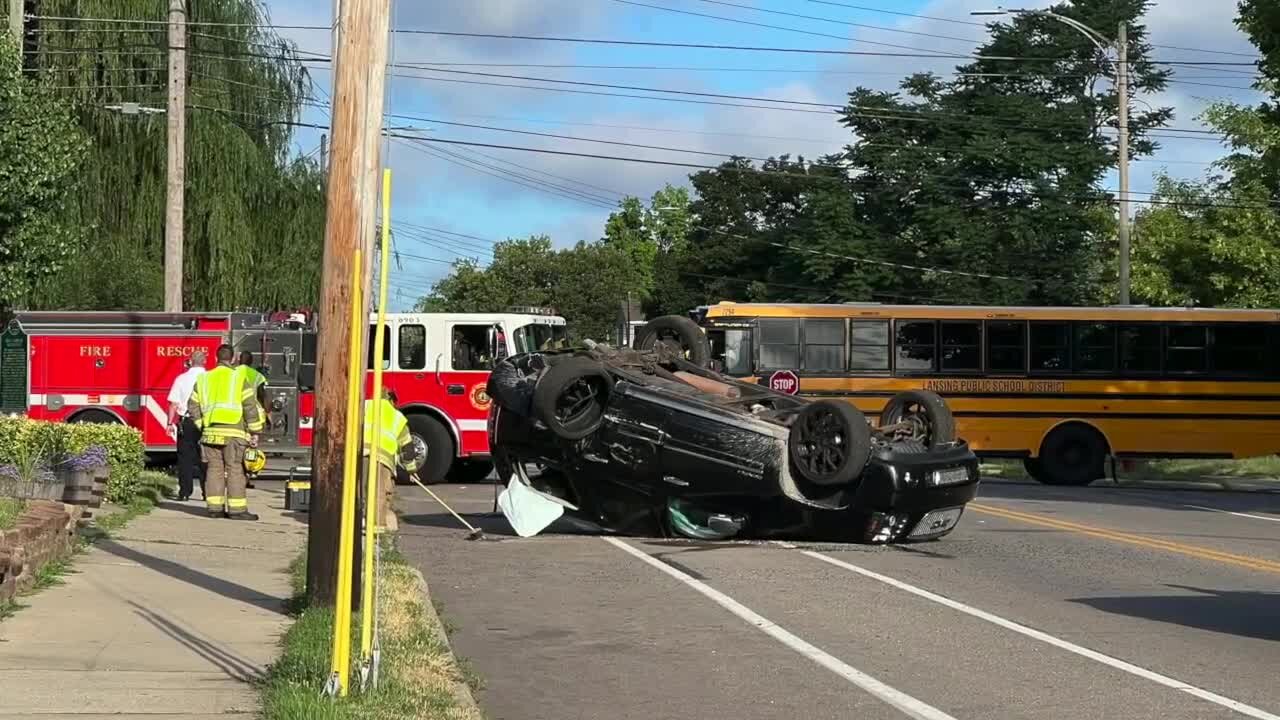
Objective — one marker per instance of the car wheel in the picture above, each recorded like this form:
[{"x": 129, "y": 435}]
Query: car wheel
[
  {"x": 470, "y": 471},
  {"x": 922, "y": 415},
  {"x": 1072, "y": 455},
  {"x": 829, "y": 442},
  {"x": 679, "y": 332},
  {"x": 432, "y": 439},
  {"x": 570, "y": 397}
]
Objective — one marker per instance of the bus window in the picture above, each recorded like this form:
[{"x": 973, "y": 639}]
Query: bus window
[
  {"x": 731, "y": 351},
  {"x": 917, "y": 347},
  {"x": 412, "y": 352},
  {"x": 961, "y": 346},
  {"x": 386, "y": 347},
  {"x": 1187, "y": 349},
  {"x": 1240, "y": 349},
  {"x": 824, "y": 345},
  {"x": 1050, "y": 347},
  {"x": 1007, "y": 347},
  {"x": 1095, "y": 345},
  {"x": 869, "y": 345},
  {"x": 1140, "y": 349},
  {"x": 779, "y": 344}
]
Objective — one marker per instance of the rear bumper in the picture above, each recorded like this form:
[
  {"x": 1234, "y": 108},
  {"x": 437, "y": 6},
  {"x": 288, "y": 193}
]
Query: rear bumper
[{"x": 895, "y": 482}]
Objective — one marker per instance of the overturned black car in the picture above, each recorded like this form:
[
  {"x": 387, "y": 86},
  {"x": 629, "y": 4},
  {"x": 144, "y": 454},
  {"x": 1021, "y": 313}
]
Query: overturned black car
[{"x": 646, "y": 442}]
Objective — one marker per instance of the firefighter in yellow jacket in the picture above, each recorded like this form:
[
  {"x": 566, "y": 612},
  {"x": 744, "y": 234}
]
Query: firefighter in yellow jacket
[
  {"x": 225, "y": 407},
  {"x": 395, "y": 447}
]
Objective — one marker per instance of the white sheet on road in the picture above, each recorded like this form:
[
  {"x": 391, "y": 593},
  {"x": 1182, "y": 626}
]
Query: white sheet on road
[{"x": 529, "y": 511}]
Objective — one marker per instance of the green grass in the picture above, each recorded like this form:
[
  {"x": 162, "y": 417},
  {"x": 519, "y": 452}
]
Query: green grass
[
  {"x": 10, "y": 509},
  {"x": 417, "y": 670},
  {"x": 154, "y": 487},
  {"x": 1264, "y": 467}
]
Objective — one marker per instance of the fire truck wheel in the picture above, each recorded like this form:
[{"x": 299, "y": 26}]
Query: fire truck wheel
[
  {"x": 99, "y": 417},
  {"x": 434, "y": 436}
]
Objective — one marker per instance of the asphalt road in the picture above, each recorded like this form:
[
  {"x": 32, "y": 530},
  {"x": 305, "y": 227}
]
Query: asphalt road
[{"x": 1097, "y": 602}]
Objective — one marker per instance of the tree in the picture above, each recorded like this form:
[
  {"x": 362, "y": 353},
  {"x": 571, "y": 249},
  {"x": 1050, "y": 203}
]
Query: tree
[
  {"x": 254, "y": 219},
  {"x": 998, "y": 171},
  {"x": 586, "y": 283},
  {"x": 41, "y": 151},
  {"x": 1217, "y": 242}
]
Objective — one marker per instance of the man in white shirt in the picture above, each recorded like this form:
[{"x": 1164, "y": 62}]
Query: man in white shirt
[{"x": 184, "y": 429}]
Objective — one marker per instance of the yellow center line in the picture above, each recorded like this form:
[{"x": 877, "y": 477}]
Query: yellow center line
[{"x": 1194, "y": 551}]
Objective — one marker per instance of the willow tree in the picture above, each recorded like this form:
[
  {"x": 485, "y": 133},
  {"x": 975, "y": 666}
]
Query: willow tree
[{"x": 254, "y": 215}]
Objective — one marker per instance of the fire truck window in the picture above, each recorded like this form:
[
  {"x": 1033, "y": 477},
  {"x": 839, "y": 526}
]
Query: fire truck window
[
  {"x": 470, "y": 347},
  {"x": 386, "y": 347},
  {"x": 412, "y": 353}
]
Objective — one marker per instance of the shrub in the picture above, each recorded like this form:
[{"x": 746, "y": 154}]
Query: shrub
[{"x": 80, "y": 443}]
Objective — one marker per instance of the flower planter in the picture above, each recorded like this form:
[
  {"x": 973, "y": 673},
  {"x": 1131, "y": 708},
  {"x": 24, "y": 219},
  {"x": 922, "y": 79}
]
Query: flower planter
[
  {"x": 40, "y": 489},
  {"x": 78, "y": 487}
]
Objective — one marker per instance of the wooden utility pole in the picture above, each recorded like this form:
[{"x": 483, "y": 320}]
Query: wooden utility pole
[
  {"x": 15, "y": 23},
  {"x": 351, "y": 208},
  {"x": 176, "y": 157},
  {"x": 1122, "y": 110}
]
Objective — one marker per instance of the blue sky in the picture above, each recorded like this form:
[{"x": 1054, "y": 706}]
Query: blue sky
[{"x": 446, "y": 189}]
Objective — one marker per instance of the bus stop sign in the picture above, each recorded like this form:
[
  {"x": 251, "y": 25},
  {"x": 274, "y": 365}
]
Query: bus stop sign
[{"x": 784, "y": 381}]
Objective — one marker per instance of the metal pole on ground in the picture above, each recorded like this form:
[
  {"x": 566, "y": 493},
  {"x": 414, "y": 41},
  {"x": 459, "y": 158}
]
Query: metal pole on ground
[
  {"x": 374, "y": 434},
  {"x": 340, "y": 666}
]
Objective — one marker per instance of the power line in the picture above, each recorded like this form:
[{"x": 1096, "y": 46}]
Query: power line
[
  {"x": 772, "y": 27},
  {"x": 900, "y": 14},
  {"x": 834, "y": 21}
]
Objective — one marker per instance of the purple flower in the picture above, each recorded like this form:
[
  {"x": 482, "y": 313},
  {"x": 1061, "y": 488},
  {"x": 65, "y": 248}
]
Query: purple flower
[{"x": 94, "y": 456}]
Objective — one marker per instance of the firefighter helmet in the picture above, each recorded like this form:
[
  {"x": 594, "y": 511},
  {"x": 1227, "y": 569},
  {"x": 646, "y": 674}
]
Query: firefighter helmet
[{"x": 254, "y": 461}]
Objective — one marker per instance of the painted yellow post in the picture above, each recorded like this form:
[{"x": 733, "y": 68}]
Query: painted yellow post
[
  {"x": 341, "y": 660},
  {"x": 371, "y": 476}
]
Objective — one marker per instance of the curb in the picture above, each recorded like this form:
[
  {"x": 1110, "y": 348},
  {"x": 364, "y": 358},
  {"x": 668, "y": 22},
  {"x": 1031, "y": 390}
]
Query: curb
[{"x": 461, "y": 692}]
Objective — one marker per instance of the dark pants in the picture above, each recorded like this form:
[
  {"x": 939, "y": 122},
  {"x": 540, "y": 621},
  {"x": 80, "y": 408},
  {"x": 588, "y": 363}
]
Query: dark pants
[{"x": 189, "y": 465}]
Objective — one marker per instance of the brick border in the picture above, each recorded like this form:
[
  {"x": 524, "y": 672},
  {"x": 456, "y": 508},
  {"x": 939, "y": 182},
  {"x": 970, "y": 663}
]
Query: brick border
[{"x": 45, "y": 532}]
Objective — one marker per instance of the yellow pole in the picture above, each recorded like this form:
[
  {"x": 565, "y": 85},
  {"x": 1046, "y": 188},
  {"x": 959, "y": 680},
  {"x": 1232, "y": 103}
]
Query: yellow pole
[
  {"x": 350, "y": 459},
  {"x": 371, "y": 476}
]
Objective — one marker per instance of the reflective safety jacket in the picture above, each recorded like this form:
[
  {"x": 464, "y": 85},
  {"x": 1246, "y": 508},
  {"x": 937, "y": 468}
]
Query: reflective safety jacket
[
  {"x": 252, "y": 377},
  {"x": 224, "y": 406},
  {"x": 394, "y": 441}
]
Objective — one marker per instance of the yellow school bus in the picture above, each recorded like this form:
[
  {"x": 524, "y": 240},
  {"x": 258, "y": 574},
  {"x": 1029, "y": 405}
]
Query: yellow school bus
[{"x": 1061, "y": 387}]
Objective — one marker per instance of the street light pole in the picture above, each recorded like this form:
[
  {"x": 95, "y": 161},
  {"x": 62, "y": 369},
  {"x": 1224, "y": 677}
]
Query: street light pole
[{"x": 1121, "y": 45}]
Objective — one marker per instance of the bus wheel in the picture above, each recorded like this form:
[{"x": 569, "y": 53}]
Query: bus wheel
[
  {"x": 679, "y": 332},
  {"x": 1033, "y": 467},
  {"x": 469, "y": 472},
  {"x": 1072, "y": 455},
  {"x": 431, "y": 436}
]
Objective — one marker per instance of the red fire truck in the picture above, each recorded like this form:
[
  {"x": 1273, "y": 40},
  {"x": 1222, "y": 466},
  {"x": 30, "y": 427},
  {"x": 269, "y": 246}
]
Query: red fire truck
[{"x": 117, "y": 367}]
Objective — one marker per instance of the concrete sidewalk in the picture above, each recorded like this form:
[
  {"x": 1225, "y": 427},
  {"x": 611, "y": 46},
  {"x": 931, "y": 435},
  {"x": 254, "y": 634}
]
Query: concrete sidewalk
[{"x": 176, "y": 616}]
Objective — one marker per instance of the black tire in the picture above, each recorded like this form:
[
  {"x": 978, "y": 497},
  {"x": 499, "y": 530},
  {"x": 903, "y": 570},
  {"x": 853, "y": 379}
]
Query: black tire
[
  {"x": 1072, "y": 455},
  {"x": 440, "y": 450},
  {"x": 829, "y": 442},
  {"x": 928, "y": 411},
  {"x": 1034, "y": 467},
  {"x": 571, "y": 396},
  {"x": 97, "y": 417},
  {"x": 680, "y": 332},
  {"x": 470, "y": 472}
]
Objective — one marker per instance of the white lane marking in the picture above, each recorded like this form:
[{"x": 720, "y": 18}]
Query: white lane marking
[
  {"x": 1094, "y": 655},
  {"x": 1237, "y": 514},
  {"x": 898, "y": 699}
]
